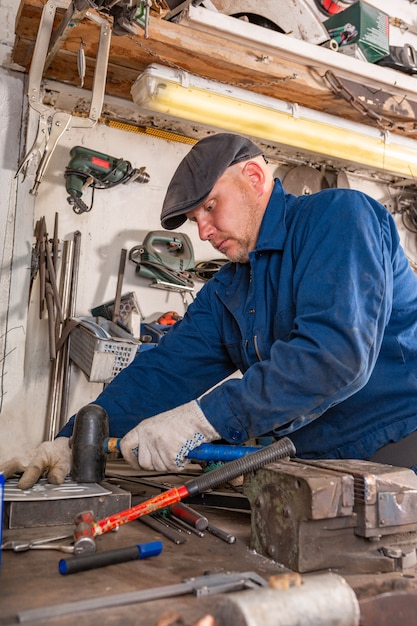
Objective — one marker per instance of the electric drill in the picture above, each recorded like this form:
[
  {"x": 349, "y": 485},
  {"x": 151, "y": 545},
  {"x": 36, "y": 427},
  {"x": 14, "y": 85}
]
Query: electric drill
[{"x": 88, "y": 168}]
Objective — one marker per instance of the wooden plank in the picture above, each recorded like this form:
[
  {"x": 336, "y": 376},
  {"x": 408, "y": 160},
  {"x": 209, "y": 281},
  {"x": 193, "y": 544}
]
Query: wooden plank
[{"x": 203, "y": 54}]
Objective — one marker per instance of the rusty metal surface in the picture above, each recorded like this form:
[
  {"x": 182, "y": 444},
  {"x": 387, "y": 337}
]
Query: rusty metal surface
[
  {"x": 395, "y": 607},
  {"x": 308, "y": 516},
  {"x": 32, "y": 514},
  {"x": 30, "y": 580},
  {"x": 385, "y": 496}
]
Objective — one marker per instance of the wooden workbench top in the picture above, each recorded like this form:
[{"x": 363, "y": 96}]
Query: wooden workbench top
[{"x": 31, "y": 579}]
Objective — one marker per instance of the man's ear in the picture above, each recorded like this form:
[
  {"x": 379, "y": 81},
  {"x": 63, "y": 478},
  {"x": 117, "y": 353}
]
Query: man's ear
[{"x": 255, "y": 174}]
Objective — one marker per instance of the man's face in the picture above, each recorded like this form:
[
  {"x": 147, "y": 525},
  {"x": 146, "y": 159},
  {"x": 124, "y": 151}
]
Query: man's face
[{"x": 230, "y": 216}]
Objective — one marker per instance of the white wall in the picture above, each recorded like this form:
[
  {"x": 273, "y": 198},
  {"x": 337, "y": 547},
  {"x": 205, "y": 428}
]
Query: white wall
[
  {"x": 12, "y": 323},
  {"x": 120, "y": 218}
]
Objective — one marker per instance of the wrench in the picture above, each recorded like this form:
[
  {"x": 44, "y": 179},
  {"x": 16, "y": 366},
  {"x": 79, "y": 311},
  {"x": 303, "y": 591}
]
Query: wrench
[
  {"x": 80, "y": 546},
  {"x": 18, "y": 546}
]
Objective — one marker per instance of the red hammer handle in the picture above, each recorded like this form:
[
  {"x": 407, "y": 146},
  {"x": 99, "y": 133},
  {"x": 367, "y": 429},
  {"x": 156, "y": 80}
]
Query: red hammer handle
[{"x": 209, "y": 480}]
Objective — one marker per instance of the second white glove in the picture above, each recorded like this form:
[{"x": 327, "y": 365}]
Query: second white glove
[
  {"x": 163, "y": 442},
  {"x": 51, "y": 459}
]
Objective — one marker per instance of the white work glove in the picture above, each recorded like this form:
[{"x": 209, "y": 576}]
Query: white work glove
[
  {"x": 51, "y": 459},
  {"x": 163, "y": 442}
]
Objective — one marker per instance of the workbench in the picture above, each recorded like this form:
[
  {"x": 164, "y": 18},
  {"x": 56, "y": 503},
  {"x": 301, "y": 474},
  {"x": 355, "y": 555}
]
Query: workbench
[{"x": 31, "y": 579}]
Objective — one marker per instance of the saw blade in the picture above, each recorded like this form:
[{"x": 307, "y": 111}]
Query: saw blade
[{"x": 304, "y": 180}]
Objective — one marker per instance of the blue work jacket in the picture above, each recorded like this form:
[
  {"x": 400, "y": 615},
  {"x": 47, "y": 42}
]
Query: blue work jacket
[{"x": 322, "y": 323}]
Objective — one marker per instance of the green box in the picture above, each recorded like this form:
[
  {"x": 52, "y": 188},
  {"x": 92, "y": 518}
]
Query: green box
[{"x": 363, "y": 26}]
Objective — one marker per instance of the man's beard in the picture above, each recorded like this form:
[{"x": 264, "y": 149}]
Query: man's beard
[{"x": 241, "y": 255}]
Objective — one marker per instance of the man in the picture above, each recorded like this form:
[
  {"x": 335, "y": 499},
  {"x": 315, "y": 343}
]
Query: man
[{"x": 317, "y": 309}]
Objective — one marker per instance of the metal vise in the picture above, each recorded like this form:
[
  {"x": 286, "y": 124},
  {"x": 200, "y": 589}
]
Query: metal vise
[{"x": 350, "y": 514}]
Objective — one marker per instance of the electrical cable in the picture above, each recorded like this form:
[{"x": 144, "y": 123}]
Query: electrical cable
[
  {"x": 407, "y": 209},
  {"x": 204, "y": 270},
  {"x": 102, "y": 183}
]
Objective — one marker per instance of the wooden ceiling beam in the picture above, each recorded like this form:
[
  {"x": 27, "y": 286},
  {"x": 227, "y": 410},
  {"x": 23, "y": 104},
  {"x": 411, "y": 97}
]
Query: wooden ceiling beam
[{"x": 175, "y": 45}]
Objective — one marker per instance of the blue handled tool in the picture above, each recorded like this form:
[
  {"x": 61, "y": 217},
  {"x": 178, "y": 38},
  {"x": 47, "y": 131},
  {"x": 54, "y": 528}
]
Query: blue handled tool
[
  {"x": 205, "y": 452},
  {"x": 91, "y": 443},
  {"x": 111, "y": 557}
]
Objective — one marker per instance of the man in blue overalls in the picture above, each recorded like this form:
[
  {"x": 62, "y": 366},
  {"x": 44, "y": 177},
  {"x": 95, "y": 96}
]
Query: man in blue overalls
[{"x": 317, "y": 309}]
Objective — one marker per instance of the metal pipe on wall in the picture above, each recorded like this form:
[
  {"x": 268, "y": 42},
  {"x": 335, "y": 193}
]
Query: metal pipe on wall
[
  {"x": 56, "y": 375},
  {"x": 63, "y": 412}
]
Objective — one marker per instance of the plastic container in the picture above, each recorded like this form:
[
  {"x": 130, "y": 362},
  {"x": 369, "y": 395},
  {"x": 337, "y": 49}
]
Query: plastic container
[{"x": 101, "y": 358}]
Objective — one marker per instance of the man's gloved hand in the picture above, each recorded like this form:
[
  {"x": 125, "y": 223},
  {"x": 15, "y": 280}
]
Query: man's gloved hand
[
  {"x": 163, "y": 442},
  {"x": 51, "y": 459}
]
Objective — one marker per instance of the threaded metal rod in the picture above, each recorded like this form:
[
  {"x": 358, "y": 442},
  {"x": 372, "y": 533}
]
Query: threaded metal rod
[{"x": 253, "y": 461}]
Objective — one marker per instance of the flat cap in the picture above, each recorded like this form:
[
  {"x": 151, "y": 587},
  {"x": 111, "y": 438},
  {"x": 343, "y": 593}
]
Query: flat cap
[{"x": 198, "y": 172}]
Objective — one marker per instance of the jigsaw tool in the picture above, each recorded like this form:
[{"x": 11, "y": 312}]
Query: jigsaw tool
[
  {"x": 167, "y": 258},
  {"x": 88, "y": 168}
]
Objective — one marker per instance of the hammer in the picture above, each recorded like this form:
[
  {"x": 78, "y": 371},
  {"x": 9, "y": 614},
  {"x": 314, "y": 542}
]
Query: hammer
[
  {"x": 91, "y": 443},
  {"x": 87, "y": 526},
  {"x": 91, "y": 428}
]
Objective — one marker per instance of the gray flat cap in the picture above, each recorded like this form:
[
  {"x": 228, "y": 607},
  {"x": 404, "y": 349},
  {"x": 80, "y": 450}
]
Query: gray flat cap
[{"x": 198, "y": 172}]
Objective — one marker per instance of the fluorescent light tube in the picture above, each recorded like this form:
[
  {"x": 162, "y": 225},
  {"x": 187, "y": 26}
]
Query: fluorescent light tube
[{"x": 177, "y": 94}]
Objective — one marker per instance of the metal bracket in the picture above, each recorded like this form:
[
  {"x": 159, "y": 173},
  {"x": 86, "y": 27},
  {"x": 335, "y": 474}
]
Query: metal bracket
[{"x": 52, "y": 124}]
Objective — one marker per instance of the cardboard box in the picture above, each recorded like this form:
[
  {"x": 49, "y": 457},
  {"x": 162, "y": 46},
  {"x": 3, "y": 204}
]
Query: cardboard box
[{"x": 361, "y": 26}]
